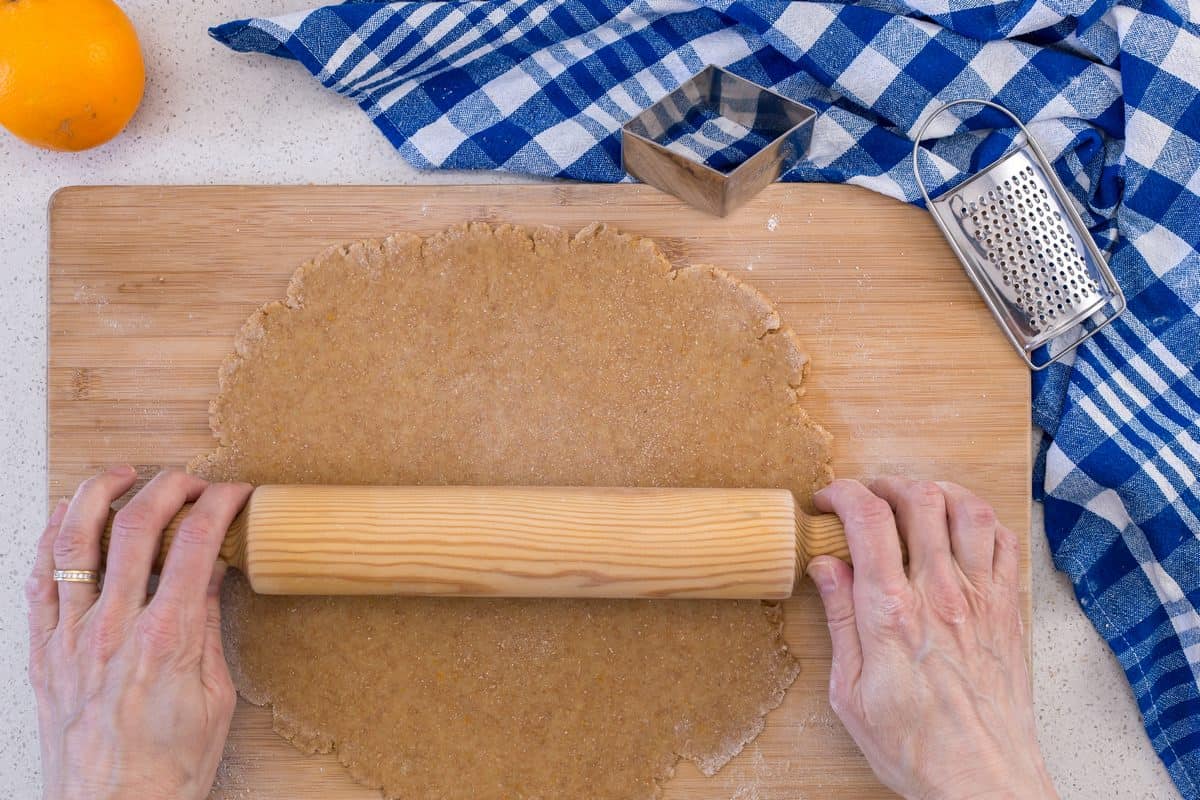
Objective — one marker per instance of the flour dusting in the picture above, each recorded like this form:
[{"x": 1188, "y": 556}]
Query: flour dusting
[{"x": 88, "y": 295}]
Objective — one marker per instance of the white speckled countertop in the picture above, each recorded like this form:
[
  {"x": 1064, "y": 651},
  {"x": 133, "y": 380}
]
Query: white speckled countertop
[{"x": 213, "y": 116}]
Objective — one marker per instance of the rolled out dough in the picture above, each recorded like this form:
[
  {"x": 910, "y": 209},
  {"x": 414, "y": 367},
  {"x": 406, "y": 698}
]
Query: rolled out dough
[{"x": 506, "y": 355}]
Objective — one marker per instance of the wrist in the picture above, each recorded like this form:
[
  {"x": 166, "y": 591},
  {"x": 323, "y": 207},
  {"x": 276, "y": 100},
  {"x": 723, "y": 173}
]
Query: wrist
[
  {"x": 84, "y": 790},
  {"x": 1014, "y": 787},
  {"x": 122, "y": 793}
]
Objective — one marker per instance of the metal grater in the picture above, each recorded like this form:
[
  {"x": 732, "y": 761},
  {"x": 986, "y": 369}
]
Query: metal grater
[{"x": 1026, "y": 249}]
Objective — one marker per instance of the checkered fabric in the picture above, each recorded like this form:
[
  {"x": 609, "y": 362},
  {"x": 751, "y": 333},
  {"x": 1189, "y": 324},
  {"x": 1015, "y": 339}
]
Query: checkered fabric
[{"x": 1111, "y": 92}]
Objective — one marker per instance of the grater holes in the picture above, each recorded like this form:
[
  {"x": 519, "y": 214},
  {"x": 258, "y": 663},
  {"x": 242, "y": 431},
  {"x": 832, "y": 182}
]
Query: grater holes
[
  {"x": 1030, "y": 247},
  {"x": 1018, "y": 231}
]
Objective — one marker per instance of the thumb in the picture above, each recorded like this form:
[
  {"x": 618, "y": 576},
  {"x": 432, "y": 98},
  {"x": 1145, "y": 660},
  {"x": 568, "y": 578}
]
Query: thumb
[{"x": 835, "y": 582}]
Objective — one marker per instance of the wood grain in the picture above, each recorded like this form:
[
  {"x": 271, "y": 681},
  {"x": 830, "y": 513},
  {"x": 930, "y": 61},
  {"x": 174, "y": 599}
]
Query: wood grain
[
  {"x": 520, "y": 541},
  {"x": 819, "y": 535},
  {"x": 148, "y": 286}
]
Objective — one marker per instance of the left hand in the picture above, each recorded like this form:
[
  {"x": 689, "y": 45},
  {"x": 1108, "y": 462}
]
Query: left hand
[{"x": 134, "y": 697}]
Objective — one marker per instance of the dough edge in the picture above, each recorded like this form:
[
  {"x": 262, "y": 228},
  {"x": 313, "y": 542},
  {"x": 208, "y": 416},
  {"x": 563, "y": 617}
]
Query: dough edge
[
  {"x": 253, "y": 329},
  {"x": 358, "y": 253}
]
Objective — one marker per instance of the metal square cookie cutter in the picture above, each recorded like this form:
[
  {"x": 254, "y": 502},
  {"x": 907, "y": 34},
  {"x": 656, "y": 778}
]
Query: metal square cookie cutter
[
  {"x": 742, "y": 112},
  {"x": 1026, "y": 249}
]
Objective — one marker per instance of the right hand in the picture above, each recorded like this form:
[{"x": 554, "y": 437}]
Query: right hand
[
  {"x": 133, "y": 695},
  {"x": 928, "y": 671}
]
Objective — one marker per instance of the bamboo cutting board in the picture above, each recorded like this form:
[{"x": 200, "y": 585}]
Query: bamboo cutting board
[{"x": 149, "y": 284}]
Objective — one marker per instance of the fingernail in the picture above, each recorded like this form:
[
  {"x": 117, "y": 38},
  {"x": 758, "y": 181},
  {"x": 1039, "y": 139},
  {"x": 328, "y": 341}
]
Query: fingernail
[
  {"x": 123, "y": 471},
  {"x": 60, "y": 511},
  {"x": 823, "y": 576}
]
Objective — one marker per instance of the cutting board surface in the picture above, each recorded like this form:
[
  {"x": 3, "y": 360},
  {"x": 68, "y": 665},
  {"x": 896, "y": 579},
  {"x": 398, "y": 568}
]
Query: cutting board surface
[{"x": 148, "y": 286}]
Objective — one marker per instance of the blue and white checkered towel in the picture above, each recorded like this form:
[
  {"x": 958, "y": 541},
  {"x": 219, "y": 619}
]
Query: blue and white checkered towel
[{"x": 1112, "y": 92}]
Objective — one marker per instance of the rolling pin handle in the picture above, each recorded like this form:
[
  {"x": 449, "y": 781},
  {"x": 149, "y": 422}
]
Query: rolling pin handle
[
  {"x": 522, "y": 541},
  {"x": 232, "y": 551},
  {"x": 819, "y": 535}
]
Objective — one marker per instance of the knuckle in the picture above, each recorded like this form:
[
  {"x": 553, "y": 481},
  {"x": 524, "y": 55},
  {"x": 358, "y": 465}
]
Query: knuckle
[
  {"x": 158, "y": 632},
  {"x": 979, "y": 514},
  {"x": 926, "y": 495},
  {"x": 947, "y": 601},
  {"x": 130, "y": 522},
  {"x": 892, "y": 611},
  {"x": 105, "y": 636},
  {"x": 160, "y": 626},
  {"x": 70, "y": 543},
  {"x": 840, "y": 621},
  {"x": 196, "y": 528},
  {"x": 1006, "y": 539},
  {"x": 38, "y": 591},
  {"x": 873, "y": 512}
]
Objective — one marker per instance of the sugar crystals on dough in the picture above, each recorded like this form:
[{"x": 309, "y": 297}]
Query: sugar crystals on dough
[{"x": 520, "y": 356}]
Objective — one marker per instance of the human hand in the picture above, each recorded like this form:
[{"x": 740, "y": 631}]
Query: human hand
[
  {"x": 134, "y": 698},
  {"x": 928, "y": 671}
]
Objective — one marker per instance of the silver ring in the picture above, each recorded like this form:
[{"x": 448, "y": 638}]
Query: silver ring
[{"x": 77, "y": 575}]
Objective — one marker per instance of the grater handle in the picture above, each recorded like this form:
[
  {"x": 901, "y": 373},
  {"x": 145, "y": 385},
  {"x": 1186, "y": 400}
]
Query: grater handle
[
  {"x": 1118, "y": 299},
  {"x": 916, "y": 155}
]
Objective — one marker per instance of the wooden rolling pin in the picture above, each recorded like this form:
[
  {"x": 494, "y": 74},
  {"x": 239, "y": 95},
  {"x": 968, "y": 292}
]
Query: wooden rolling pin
[{"x": 499, "y": 541}]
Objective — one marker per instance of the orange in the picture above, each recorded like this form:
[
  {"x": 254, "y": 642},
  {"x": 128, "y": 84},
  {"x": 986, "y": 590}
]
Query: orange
[{"x": 71, "y": 72}]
